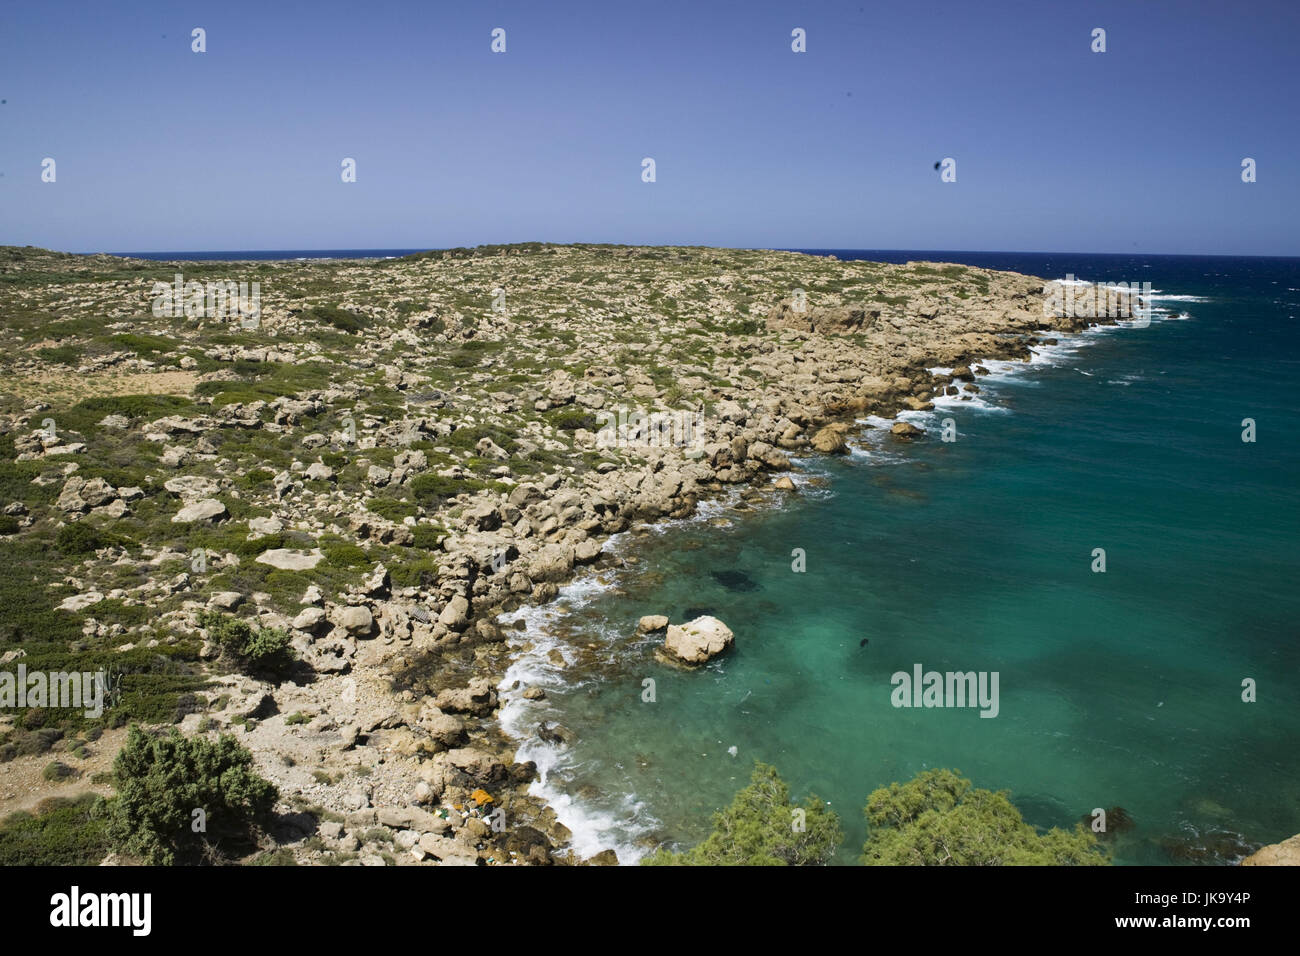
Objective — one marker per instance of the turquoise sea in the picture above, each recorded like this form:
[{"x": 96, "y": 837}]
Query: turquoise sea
[{"x": 1116, "y": 689}]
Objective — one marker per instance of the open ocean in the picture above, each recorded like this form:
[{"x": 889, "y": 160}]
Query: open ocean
[{"x": 1117, "y": 689}]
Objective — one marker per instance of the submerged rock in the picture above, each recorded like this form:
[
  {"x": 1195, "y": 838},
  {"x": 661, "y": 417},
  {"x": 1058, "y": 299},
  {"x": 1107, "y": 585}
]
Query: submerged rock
[{"x": 735, "y": 580}]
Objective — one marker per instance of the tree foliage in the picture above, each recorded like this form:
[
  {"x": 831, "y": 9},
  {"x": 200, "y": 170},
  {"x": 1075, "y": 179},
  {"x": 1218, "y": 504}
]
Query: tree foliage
[
  {"x": 162, "y": 779},
  {"x": 937, "y": 819},
  {"x": 763, "y": 828},
  {"x": 263, "y": 651}
]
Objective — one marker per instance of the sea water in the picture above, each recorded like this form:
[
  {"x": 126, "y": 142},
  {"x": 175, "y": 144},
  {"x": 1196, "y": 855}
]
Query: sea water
[{"x": 1118, "y": 688}]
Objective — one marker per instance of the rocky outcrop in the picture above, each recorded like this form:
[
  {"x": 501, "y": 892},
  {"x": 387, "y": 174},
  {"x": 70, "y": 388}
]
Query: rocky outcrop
[
  {"x": 828, "y": 320},
  {"x": 482, "y": 493},
  {"x": 1286, "y": 853},
  {"x": 698, "y": 641},
  {"x": 830, "y": 441}
]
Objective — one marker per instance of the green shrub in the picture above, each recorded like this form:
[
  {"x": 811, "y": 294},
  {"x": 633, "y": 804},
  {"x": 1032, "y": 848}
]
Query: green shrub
[
  {"x": 430, "y": 489},
  {"x": 8, "y": 524},
  {"x": 89, "y": 412},
  {"x": 31, "y": 743},
  {"x": 259, "y": 651},
  {"x": 62, "y": 833},
  {"x": 57, "y": 771},
  {"x": 759, "y": 829},
  {"x": 391, "y": 508},
  {"x": 81, "y": 538},
  {"x": 468, "y": 437},
  {"x": 344, "y": 554},
  {"x": 255, "y": 477},
  {"x": 162, "y": 779},
  {"x": 426, "y": 536},
  {"x": 463, "y": 358},
  {"x": 341, "y": 319},
  {"x": 571, "y": 419},
  {"x": 420, "y": 572},
  {"x": 937, "y": 819},
  {"x": 62, "y": 354}
]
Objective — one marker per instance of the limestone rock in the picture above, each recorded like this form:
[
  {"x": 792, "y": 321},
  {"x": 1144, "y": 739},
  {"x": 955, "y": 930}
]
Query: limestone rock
[
  {"x": 286, "y": 559},
  {"x": 206, "y": 509},
  {"x": 830, "y": 440},
  {"x": 1286, "y": 853},
  {"x": 698, "y": 641},
  {"x": 191, "y": 487},
  {"x": 455, "y": 615},
  {"x": 905, "y": 430},
  {"x": 478, "y": 698},
  {"x": 357, "y": 621},
  {"x": 652, "y": 623}
]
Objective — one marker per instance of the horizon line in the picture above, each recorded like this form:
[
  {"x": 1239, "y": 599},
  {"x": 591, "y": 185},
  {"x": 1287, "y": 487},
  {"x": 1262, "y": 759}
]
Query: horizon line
[{"x": 671, "y": 245}]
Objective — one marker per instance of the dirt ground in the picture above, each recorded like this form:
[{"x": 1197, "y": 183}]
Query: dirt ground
[
  {"x": 47, "y": 386},
  {"x": 22, "y": 786}
]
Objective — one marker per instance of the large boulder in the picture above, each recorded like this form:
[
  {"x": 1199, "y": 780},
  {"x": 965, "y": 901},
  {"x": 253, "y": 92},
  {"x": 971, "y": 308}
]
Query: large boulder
[
  {"x": 698, "y": 641},
  {"x": 455, "y": 616},
  {"x": 191, "y": 487},
  {"x": 905, "y": 430},
  {"x": 286, "y": 559},
  {"x": 830, "y": 441},
  {"x": 207, "y": 509},
  {"x": 357, "y": 620},
  {"x": 553, "y": 562},
  {"x": 478, "y": 698},
  {"x": 446, "y": 729},
  {"x": 651, "y": 623}
]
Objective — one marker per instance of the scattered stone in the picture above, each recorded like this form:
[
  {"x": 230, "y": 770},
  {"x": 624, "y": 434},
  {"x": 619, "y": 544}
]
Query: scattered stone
[{"x": 226, "y": 600}]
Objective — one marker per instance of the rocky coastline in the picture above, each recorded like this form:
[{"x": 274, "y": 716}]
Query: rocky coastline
[{"x": 384, "y": 746}]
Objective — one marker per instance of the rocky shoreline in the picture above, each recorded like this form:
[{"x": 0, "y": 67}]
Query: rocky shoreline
[{"x": 385, "y": 748}]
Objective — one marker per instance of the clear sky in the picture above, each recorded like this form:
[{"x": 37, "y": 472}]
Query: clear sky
[{"x": 1057, "y": 148}]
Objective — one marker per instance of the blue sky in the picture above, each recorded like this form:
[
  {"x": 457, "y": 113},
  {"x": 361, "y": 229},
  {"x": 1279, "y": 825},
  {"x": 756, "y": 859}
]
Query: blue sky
[{"x": 1057, "y": 148}]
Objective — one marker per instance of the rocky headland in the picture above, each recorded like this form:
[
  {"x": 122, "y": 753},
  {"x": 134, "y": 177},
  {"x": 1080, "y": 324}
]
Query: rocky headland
[{"x": 390, "y": 455}]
